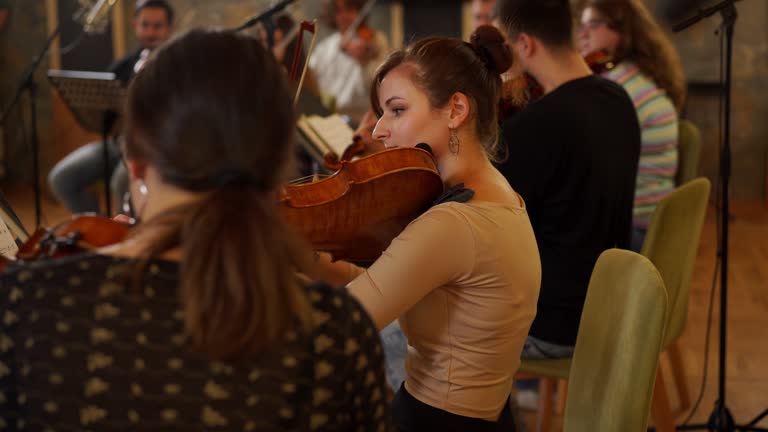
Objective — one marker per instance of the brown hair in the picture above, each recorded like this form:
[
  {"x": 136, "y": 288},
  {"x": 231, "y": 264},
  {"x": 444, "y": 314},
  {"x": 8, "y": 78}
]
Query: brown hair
[
  {"x": 221, "y": 124},
  {"x": 329, "y": 9},
  {"x": 644, "y": 42},
  {"x": 550, "y": 21},
  {"x": 444, "y": 66}
]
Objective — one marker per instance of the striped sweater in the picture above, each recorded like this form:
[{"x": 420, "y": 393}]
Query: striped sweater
[{"x": 659, "y": 126}]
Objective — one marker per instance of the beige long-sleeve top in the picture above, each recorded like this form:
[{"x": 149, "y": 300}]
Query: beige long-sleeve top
[{"x": 464, "y": 279}]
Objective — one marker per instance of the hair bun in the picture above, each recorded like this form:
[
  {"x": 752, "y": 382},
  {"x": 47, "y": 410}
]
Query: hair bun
[{"x": 492, "y": 48}]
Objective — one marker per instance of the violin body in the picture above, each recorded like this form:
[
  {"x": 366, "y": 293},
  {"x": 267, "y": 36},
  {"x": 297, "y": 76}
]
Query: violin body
[
  {"x": 81, "y": 234},
  {"x": 355, "y": 213}
]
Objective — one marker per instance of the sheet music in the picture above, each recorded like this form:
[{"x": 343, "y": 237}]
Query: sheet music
[
  {"x": 334, "y": 133},
  {"x": 8, "y": 247}
]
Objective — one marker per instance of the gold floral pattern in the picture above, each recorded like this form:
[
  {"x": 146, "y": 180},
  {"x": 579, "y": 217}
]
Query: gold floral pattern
[{"x": 110, "y": 358}]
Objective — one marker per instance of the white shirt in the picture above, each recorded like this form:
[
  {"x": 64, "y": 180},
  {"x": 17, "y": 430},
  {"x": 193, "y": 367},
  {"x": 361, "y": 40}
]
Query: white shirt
[
  {"x": 341, "y": 76},
  {"x": 142, "y": 59}
]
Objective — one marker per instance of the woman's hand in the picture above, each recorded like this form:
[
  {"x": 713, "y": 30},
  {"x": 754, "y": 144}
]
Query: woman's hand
[{"x": 338, "y": 273}]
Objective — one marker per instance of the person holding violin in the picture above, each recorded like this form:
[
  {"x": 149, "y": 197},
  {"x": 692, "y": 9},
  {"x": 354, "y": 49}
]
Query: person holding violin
[
  {"x": 649, "y": 69},
  {"x": 71, "y": 178},
  {"x": 345, "y": 61},
  {"x": 463, "y": 277},
  {"x": 197, "y": 319},
  {"x": 573, "y": 156}
]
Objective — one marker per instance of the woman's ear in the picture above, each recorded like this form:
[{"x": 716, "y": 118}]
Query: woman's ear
[{"x": 459, "y": 110}]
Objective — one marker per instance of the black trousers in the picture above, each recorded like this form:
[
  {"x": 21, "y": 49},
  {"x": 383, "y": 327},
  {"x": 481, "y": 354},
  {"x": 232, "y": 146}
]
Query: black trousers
[{"x": 411, "y": 415}]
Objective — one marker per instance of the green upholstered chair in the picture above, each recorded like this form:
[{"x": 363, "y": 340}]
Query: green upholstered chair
[
  {"x": 671, "y": 244},
  {"x": 688, "y": 152},
  {"x": 617, "y": 350}
]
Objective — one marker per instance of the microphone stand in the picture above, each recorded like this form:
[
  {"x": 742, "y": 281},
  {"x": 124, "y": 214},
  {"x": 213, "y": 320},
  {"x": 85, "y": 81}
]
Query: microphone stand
[
  {"x": 720, "y": 419},
  {"x": 265, "y": 19},
  {"x": 27, "y": 83}
]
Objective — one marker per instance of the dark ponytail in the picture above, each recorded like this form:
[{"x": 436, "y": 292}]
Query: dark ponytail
[{"x": 220, "y": 125}]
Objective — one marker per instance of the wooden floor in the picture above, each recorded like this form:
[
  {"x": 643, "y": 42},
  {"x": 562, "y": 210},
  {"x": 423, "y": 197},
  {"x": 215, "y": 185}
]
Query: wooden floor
[{"x": 747, "y": 372}]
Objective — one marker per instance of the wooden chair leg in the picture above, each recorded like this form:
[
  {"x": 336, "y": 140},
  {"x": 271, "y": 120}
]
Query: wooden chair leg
[
  {"x": 562, "y": 392},
  {"x": 660, "y": 412},
  {"x": 678, "y": 375},
  {"x": 544, "y": 417}
]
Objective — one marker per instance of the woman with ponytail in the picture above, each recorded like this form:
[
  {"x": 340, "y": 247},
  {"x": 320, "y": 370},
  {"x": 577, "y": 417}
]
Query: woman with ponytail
[
  {"x": 463, "y": 278},
  {"x": 198, "y": 320}
]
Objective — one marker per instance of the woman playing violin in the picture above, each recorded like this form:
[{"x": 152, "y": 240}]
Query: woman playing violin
[
  {"x": 463, "y": 278},
  {"x": 197, "y": 320},
  {"x": 345, "y": 61},
  {"x": 649, "y": 69}
]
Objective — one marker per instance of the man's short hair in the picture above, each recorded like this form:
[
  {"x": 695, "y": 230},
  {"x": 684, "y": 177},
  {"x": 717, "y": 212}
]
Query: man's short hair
[
  {"x": 159, "y": 4},
  {"x": 550, "y": 21}
]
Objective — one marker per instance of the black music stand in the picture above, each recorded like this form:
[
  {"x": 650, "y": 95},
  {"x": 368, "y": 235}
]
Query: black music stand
[{"x": 96, "y": 99}]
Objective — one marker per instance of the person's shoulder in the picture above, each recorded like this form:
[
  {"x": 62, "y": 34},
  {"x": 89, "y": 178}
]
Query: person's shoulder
[
  {"x": 125, "y": 61},
  {"x": 448, "y": 213},
  {"x": 596, "y": 83}
]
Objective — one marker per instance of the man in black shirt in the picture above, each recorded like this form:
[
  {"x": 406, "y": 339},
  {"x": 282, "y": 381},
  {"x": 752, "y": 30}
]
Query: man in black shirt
[
  {"x": 70, "y": 178},
  {"x": 573, "y": 156}
]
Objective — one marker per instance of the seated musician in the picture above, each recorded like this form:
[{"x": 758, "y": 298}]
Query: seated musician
[
  {"x": 463, "y": 277},
  {"x": 573, "y": 157},
  {"x": 197, "y": 320},
  {"x": 71, "y": 177},
  {"x": 649, "y": 69},
  {"x": 344, "y": 66}
]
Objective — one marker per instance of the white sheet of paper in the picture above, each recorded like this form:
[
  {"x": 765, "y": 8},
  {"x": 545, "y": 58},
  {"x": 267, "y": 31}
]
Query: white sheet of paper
[
  {"x": 8, "y": 247},
  {"x": 333, "y": 130}
]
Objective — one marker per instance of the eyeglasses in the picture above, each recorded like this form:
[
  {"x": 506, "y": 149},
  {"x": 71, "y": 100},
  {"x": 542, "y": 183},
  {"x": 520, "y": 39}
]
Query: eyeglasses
[{"x": 592, "y": 25}]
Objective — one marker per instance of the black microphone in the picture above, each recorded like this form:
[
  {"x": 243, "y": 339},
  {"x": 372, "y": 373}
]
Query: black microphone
[
  {"x": 673, "y": 11},
  {"x": 264, "y": 16}
]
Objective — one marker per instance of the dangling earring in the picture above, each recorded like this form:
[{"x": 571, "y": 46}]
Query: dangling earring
[
  {"x": 453, "y": 142},
  {"x": 139, "y": 205}
]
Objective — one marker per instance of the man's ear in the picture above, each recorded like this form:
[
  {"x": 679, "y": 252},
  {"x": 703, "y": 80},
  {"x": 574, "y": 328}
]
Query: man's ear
[
  {"x": 525, "y": 45},
  {"x": 459, "y": 110}
]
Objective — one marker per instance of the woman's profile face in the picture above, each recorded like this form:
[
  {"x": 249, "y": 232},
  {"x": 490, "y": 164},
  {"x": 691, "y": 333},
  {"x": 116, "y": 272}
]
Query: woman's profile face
[
  {"x": 594, "y": 34},
  {"x": 408, "y": 117}
]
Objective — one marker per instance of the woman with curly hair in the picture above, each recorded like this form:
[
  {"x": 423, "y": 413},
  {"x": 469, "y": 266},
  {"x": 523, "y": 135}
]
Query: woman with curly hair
[{"x": 649, "y": 69}]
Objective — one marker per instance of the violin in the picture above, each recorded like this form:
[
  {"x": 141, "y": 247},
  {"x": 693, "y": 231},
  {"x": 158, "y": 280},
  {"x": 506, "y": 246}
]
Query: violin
[
  {"x": 80, "y": 234},
  {"x": 358, "y": 28},
  {"x": 365, "y": 33},
  {"x": 356, "y": 212},
  {"x": 600, "y": 61},
  {"x": 523, "y": 89}
]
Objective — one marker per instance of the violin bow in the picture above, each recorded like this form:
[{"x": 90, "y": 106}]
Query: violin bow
[
  {"x": 364, "y": 11},
  {"x": 305, "y": 26}
]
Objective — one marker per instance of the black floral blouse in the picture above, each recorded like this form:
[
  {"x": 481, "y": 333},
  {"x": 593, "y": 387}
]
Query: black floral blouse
[{"x": 81, "y": 350}]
